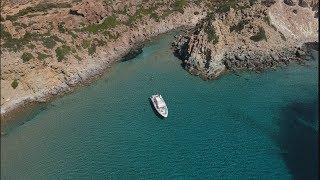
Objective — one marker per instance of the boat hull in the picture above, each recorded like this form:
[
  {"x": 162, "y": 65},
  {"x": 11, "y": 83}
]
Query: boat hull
[{"x": 162, "y": 111}]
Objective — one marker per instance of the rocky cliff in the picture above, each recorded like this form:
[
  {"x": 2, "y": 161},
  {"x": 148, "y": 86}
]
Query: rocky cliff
[{"x": 253, "y": 35}]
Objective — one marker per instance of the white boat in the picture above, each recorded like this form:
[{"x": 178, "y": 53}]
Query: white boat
[{"x": 159, "y": 105}]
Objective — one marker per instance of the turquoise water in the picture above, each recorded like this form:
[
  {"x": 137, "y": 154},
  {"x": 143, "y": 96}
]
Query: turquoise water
[{"x": 254, "y": 125}]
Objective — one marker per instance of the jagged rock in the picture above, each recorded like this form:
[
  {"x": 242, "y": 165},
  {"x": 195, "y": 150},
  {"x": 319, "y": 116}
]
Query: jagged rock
[
  {"x": 240, "y": 57},
  {"x": 289, "y": 2},
  {"x": 275, "y": 57},
  {"x": 303, "y": 3},
  {"x": 300, "y": 53},
  {"x": 268, "y": 3}
]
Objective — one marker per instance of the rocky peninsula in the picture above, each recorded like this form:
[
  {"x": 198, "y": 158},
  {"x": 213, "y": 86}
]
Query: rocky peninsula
[
  {"x": 48, "y": 48},
  {"x": 252, "y": 35}
]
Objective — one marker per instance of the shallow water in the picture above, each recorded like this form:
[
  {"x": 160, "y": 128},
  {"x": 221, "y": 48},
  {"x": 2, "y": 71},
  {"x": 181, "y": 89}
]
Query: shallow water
[{"x": 252, "y": 125}]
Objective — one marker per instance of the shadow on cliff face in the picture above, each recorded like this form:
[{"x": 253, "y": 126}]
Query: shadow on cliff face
[{"x": 298, "y": 139}]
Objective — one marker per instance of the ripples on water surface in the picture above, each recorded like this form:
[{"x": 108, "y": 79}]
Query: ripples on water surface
[{"x": 252, "y": 125}]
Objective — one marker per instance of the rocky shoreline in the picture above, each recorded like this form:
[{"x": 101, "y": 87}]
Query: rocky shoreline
[
  {"x": 235, "y": 61},
  {"x": 256, "y": 42}
]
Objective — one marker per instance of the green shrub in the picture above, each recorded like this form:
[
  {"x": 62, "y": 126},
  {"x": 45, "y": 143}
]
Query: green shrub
[
  {"x": 31, "y": 46},
  {"x": 26, "y": 56},
  {"x": 14, "y": 84},
  {"x": 56, "y": 38},
  {"x": 211, "y": 33},
  {"x": 42, "y": 56},
  {"x": 92, "y": 49},
  {"x": 3, "y": 33},
  {"x": 74, "y": 35},
  {"x": 78, "y": 57},
  {"x": 166, "y": 13},
  {"x": 178, "y": 5},
  {"x": 48, "y": 42},
  {"x": 143, "y": 12},
  {"x": 261, "y": 35},
  {"x": 62, "y": 51},
  {"x": 42, "y": 7},
  {"x": 225, "y": 6},
  {"x": 155, "y": 17},
  {"x": 61, "y": 27},
  {"x": 109, "y": 22},
  {"x": 110, "y": 35},
  {"x": 15, "y": 44},
  {"x": 252, "y": 2},
  {"x": 86, "y": 44}
]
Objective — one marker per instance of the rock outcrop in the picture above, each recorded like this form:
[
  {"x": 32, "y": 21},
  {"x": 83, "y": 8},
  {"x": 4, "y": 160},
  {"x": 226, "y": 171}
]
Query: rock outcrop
[{"x": 255, "y": 37}]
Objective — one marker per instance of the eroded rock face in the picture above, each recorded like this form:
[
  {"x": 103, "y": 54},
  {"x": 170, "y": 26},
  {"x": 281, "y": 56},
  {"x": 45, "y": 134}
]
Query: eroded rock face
[
  {"x": 198, "y": 55},
  {"x": 289, "y": 2},
  {"x": 303, "y": 3},
  {"x": 93, "y": 11}
]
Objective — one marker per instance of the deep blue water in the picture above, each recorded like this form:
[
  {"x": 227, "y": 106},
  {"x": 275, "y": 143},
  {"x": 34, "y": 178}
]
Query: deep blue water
[{"x": 261, "y": 126}]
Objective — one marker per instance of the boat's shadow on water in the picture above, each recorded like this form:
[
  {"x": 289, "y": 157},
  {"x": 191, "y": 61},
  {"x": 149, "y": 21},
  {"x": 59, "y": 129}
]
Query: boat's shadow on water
[
  {"x": 298, "y": 139},
  {"x": 154, "y": 110}
]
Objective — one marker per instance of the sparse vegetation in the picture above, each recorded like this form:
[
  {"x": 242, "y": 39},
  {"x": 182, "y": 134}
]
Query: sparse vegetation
[
  {"x": 31, "y": 46},
  {"x": 155, "y": 16},
  {"x": 56, "y": 38},
  {"x": 92, "y": 49},
  {"x": 78, "y": 57},
  {"x": 252, "y": 2},
  {"x": 178, "y": 5},
  {"x": 86, "y": 44},
  {"x": 49, "y": 42},
  {"x": 14, "y": 84},
  {"x": 225, "y": 6},
  {"x": 42, "y": 56},
  {"x": 211, "y": 33},
  {"x": 100, "y": 42},
  {"x": 74, "y": 35},
  {"x": 61, "y": 27},
  {"x": 111, "y": 35},
  {"x": 62, "y": 51},
  {"x": 166, "y": 13},
  {"x": 109, "y": 22},
  {"x": 238, "y": 27},
  {"x": 3, "y": 33},
  {"x": 42, "y": 7},
  {"x": 26, "y": 57},
  {"x": 261, "y": 35}
]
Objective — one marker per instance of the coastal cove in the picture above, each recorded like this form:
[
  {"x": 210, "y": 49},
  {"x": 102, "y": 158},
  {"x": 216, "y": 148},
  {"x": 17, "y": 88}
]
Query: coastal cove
[{"x": 246, "y": 125}]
